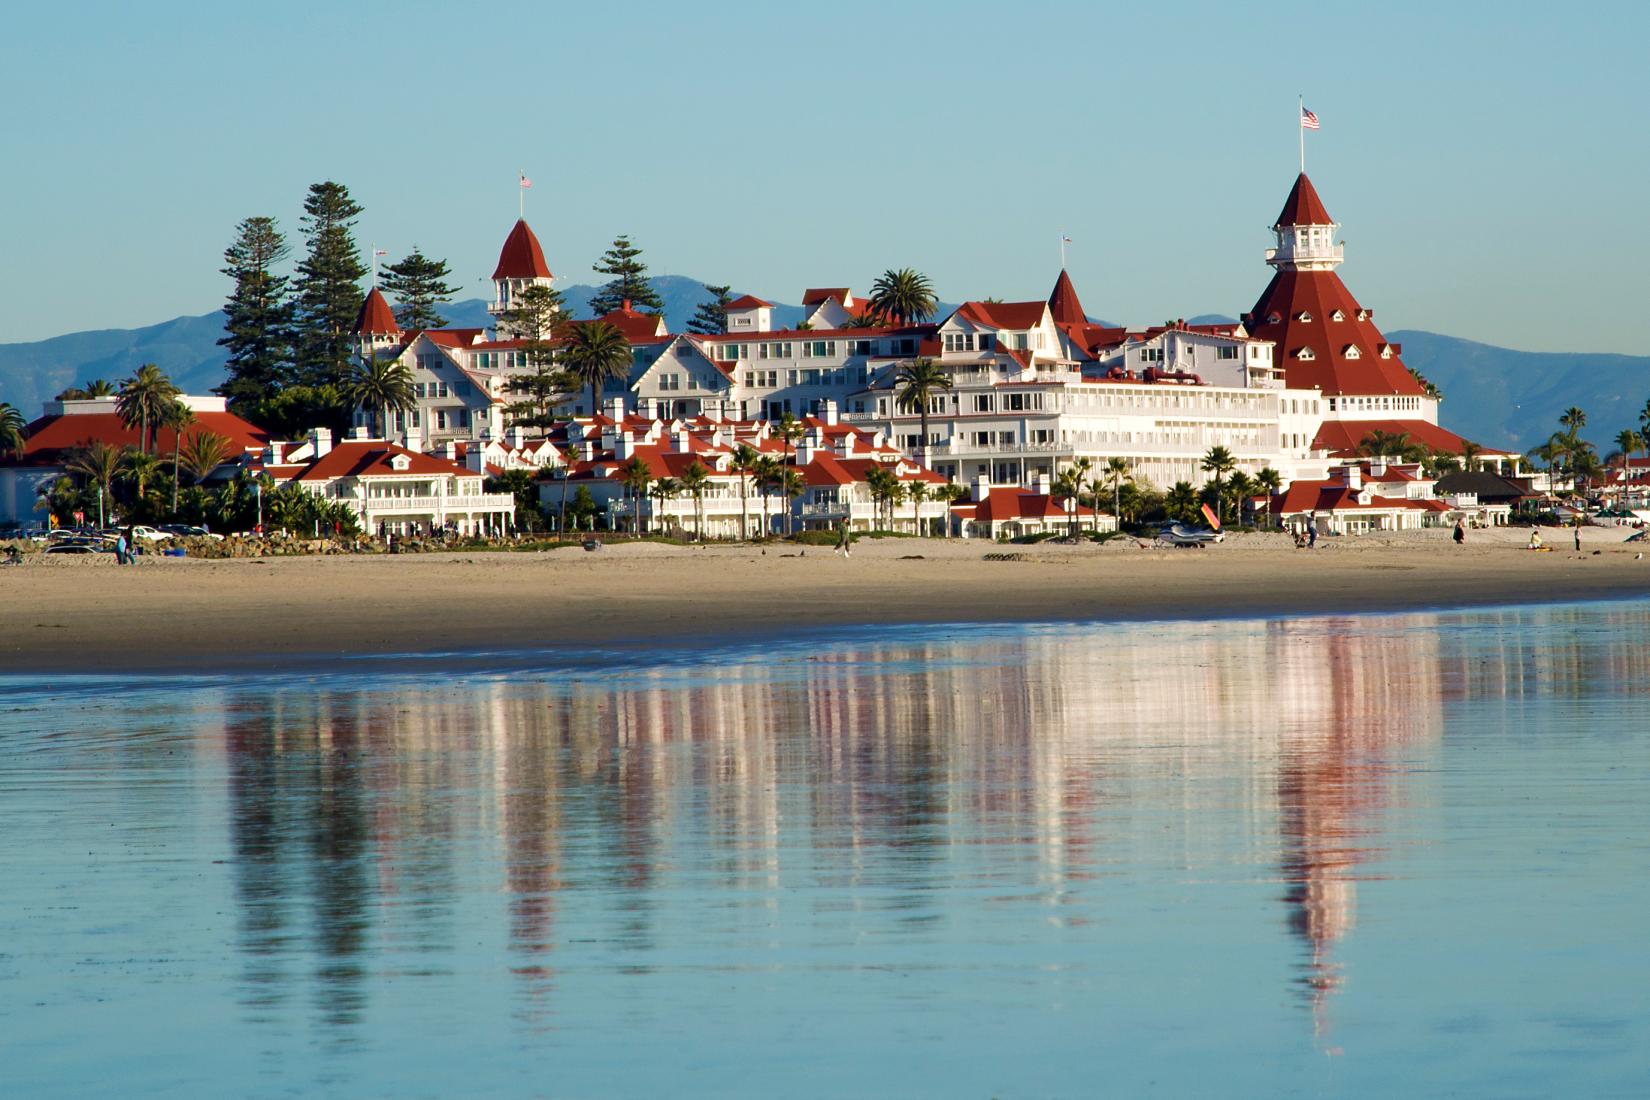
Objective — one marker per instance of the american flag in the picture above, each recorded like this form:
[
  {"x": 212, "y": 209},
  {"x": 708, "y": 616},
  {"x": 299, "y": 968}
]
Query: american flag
[
  {"x": 526, "y": 183},
  {"x": 1065, "y": 239},
  {"x": 1309, "y": 121}
]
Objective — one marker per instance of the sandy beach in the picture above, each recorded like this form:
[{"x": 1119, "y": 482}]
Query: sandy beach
[{"x": 85, "y": 614}]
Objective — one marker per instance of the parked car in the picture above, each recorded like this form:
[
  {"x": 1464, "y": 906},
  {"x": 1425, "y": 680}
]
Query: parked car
[
  {"x": 189, "y": 530},
  {"x": 149, "y": 534}
]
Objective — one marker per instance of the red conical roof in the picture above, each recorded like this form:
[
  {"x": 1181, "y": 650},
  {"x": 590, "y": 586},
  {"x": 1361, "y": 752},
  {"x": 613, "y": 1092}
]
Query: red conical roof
[
  {"x": 1303, "y": 207},
  {"x": 1316, "y": 313},
  {"x": 376, "y": 318},
  {"x": 1063, "y": 303},
  {"x": 521, "y": 257}
]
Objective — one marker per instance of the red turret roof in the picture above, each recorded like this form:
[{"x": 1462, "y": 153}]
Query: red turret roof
[
  {"x": 521, "y": 257},
  {"x": 1305, "y": 305},
  {"x": 1063, "y": 303},
  {"x": 376, "y": 318},
  {"x": 1303, "y": 207},
  {"x": 749, "y": 301}
]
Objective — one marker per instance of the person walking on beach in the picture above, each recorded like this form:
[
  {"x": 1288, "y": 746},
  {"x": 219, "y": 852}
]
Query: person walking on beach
[
  {"x": 1312, "y": 537},
  {"x": 121, "y": 552},
  {"x": 844, "y": 544},
  {"x": 1460, "y": 532},
  {"x": 1578, "y": 536}
]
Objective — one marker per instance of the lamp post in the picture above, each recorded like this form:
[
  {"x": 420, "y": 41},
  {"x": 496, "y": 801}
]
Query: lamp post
[{"x": 258, "y": 494}]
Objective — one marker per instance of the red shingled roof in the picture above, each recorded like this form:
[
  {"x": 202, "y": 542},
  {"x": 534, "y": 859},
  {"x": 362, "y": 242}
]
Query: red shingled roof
[
  {"x": 1008, "y": 502},
  {"x": 50, "y": 439},
  {"x": 749, "y": 301},
  {"x": 1303, "y": 207},
  {"x": 1318, "y": 295},
  {"x": 371, "y": 457},
  {"x": 1334, "y": 496},
  {"x": 1009, "y": 315},
  {"x": 1342, "y": 437},
  {"x": 1063, "y": 303},
  {"x": 376, "y": 318},
  {"x": 636, "y": 326},
  {"x": 521, "y": 257},
  {"x": 815, "y": 295}
]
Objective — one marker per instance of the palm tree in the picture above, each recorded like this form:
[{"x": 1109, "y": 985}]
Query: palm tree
[
  {"x": 1219, "y": 462},
  {"x": 381, "y": 386},
  {"x": 1068, "y": 486},
  {"x": 905, "y": 296},
  {"x": 745, "y": 458},
  {"x": 1181, "y": 501},
  {"x": 596, "y": 353},
  {"x": 99, "y": 464},
  {"x": 915, "y": 385},
  {"x": 176, "y": 416},
  {"x": 792, "y": 430},
  {"x": 202, "y": 453},
  {"x": 1469, "y": 455},
  {"x": 768, "y": 472},
  {"x": 1239, "y": 487},
  {"x": 695, "y": 480},
  {"x": 665, "y": 490},
  {"x": 143, "y": 400},
  {"x": 98, "y": 388},
  {"x": 1384, "y": 444},
  {"x": 792, "y": 485},
  {"x": 1627, "y": 439},
  {"x": 917, "y": 491},
  {"x": 1116, "y": 473},
  {"x": 1573, "y": 420},
  {"x": 139, "y": 469},
  {"x": 950, "y": 493},
  {"x": 1270, "y": 481},
  {"x": 12, "y": 425},
  {"x": 636, "y": 477}
]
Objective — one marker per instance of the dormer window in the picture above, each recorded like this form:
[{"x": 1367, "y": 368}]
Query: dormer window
[
  {"x": 399, "y": 463},
  {"x": 1337, "y": 316},
  {"x": 1351, "y": 352},
  {"x": 1386, "y": 351},
  {"x": 1363, "y": 315},
  {"x": 1273, "y": 318},
  {"x": 1303, "y": 316},
  {"x": 1305, "y": 355}
]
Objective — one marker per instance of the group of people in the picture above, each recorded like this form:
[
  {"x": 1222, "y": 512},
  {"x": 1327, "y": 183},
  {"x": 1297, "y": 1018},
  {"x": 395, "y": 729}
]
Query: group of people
[{"x": 126, "y": 548}]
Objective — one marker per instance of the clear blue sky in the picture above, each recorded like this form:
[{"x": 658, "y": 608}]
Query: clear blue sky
[{"x": 1489, "y": 162}]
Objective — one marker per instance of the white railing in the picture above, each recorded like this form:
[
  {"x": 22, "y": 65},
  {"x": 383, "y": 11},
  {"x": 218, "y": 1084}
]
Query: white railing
[{"x": 484, "y": 502}]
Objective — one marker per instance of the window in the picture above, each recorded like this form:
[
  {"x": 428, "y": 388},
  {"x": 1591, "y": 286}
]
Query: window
[
  {"x": 441, "y": 420},
  {"x": 810, "y": 378},
  {"x": 1303, "y": 316},
  {"x": 987, "y": 341},
  {"x": 693, "y": 381},
  {"x": 1305, "y": 355},
  {"x": 1337, "y": 316},
  {"x": 463, "y": 418},
  {"x": 1229, "y": 352},
  {"x": 983, "y": 402}
]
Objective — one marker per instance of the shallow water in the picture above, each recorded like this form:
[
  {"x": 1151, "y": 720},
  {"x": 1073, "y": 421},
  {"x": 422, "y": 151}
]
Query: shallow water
[{"x": 1341, "y": 856}]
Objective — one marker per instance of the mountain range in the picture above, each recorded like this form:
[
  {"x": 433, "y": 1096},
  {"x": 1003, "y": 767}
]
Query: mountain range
[{"x": 1496, "y": 396}]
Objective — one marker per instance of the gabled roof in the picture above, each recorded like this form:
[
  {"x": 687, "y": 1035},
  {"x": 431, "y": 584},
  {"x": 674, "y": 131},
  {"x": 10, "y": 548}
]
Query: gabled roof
[
  {"x": 1341, "y": 438},
  {"x": 372, "y": 458},
  {"x": 1063, "y": 302},
  {"x": 636, "y": 326},
  {"x": 815, "y": 295},
  {"x": 521, "y": 257},
  {"x": 376, "y": 317},
  {"x": 1004, "y": 315},
  {"x": 1336, "y": 496},
  {"x": 1303, "y": 207},
  {"x": 748, "y": 301},
  {"x": 1008, "y": 502},
  {"x": 1487, "y": 486}
]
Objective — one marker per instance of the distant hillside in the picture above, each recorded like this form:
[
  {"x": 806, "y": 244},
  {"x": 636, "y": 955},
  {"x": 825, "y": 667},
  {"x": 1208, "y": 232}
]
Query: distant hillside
[{"x": 1492, "y": 395}]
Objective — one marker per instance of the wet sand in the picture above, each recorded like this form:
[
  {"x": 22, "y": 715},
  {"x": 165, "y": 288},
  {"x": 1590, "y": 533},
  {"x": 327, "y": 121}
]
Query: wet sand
[{"x": 87, "y": 615}]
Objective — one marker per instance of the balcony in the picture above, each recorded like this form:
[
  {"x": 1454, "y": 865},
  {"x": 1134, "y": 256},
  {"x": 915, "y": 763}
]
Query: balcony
[{"x": 483, "y": 502}]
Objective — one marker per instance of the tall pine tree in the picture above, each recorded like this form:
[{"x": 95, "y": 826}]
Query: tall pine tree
[
  {"x": 257, "y": 318},
  {"x": 711, "y": 318},
  {"x": 538, "y": 318},
  {"x": 418, "y": 285},
  {"x": 328, "y": 285},
  {"x": 628, "y": 282}
]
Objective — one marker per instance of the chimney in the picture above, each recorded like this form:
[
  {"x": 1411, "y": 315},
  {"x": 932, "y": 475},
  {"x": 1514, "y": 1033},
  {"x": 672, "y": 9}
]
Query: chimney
[
  {"x": 1353, "y": 475},
  {"x": 846, "y": 446},
  {"x": 827, "y": 411},
  {"x": 982, "y": 487},
  {"x": 320, "y": 441},
  {"x": 475, "y": 458},
  {"x": 415, "y": 438},
  {"x": 277, "y": 451},
  {"x": 615, "y": 408},
  {"x": 624, "y": 446},
  {"x": 515, "y": 436},
  {"x": 359, "y": 432},
  {"x": 680, "y": 441},
  {"x": 626, "y": 307},
  {"x": 806, "y": 449},
  {"x": 449, "y": 450},
  {"x": 648, "y": 408},
  {"x": 1040, "y": 482},
  {"x": 1377, "y": 468}
]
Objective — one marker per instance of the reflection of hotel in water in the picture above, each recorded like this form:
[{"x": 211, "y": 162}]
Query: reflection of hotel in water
[{"x": 859, "y": 755}]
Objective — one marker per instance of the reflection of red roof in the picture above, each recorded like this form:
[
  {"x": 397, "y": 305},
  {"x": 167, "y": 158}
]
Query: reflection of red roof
[
  {"x": 372, "y": 457},
  {"x": 51, "y": 438},
  {"x": 521, "y": 257},
  {"x": 1342, "y": 437},
  {"x": 749, "y": 301},
  {"x": 1303, "y": 207},
  {"x": 1304, "y": 303},
  {"x": 1009, "y": 315},
  {"x": 1063, "y": 302},
  {"x": 376, "y": 318}
]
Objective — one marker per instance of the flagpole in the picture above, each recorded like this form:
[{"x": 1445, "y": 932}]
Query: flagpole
[
  {"x": 1062, "y": 250},
  {"x": 1300, "y": 115},
  {"x": 521, "y": 195},
  {"x": 373, "y": 248}
]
